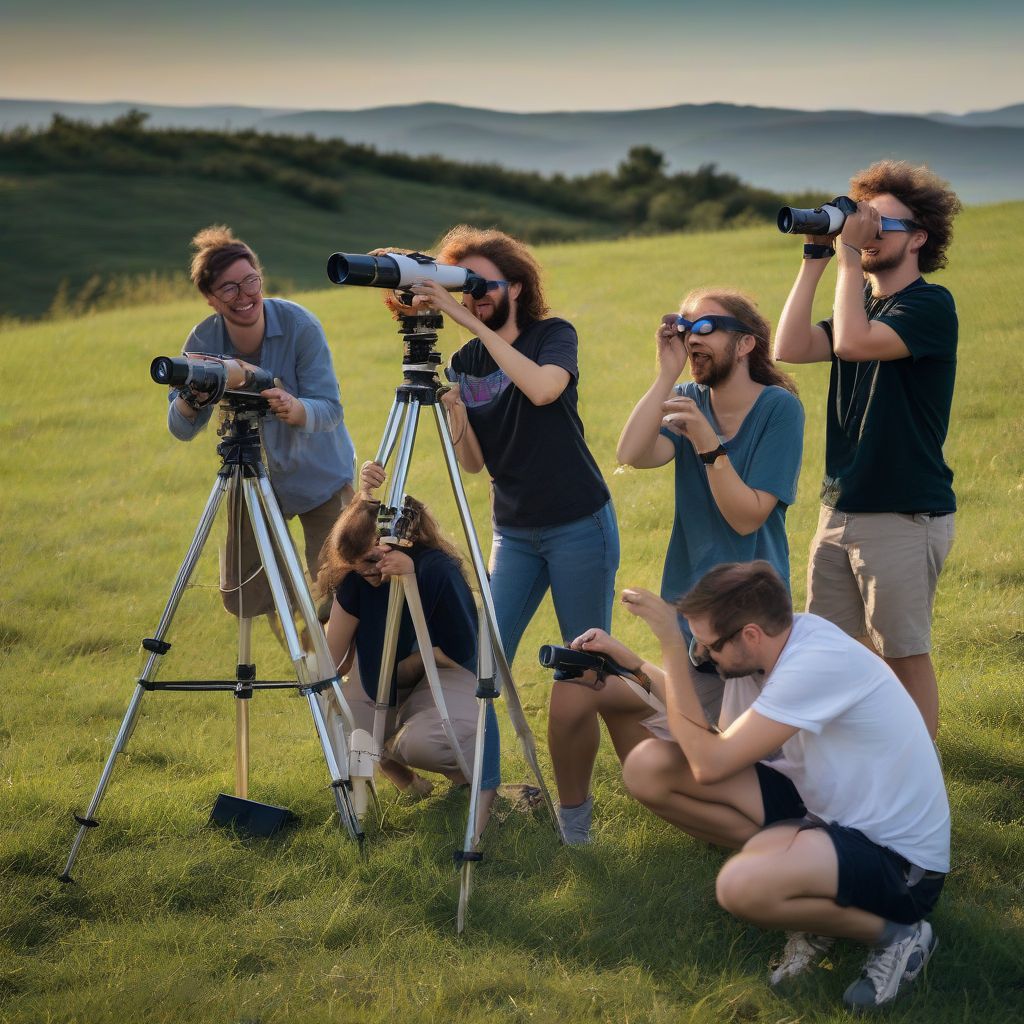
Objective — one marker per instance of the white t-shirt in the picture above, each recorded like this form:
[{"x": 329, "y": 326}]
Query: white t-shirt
[{"x": 863, "y": 757}]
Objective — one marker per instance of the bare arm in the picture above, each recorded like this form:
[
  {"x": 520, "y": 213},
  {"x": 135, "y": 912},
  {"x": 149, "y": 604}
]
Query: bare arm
[
  {"x": 797, "y": 338},
  {"x": 856, "y": 338},
  {"x": 542, "y": 385},
  {"x": 743, "y": 508},
  {"x": 341, "y": 631},
  {"x": 712, "y": 756},
  {"x": 464, "y": 439},
  {"x": 640, "y": 443}
]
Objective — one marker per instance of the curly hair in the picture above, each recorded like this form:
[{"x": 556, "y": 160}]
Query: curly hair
[
  {"x": 216, "y": 248},
  {"x": 759, "y": 360},
  {"x": 928, "y": 197},
  {"x": 515, "y": 261},
  {"x": 355, "y": 533}
]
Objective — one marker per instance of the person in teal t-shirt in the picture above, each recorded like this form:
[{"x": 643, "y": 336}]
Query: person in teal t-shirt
[{"x": 735, "y": 436}]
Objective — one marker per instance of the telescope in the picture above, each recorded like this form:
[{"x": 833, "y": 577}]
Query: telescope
[
  {"x": 210, "y": 375},
  {"x": 396, "y": 272},
  {"x": 571, "y": 664}
]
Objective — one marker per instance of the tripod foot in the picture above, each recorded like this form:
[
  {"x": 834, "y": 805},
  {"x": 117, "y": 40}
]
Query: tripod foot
[
  {"x": 66, "y": 879},
  {"x": 86, "y": 822}
]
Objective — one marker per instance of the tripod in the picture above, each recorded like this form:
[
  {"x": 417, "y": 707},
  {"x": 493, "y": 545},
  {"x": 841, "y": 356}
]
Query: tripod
[
  {"x": 420, "y": 388},
  {"x": 243, "y": 478}
]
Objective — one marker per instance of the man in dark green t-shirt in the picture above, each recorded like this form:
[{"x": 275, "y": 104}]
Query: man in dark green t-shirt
[{"x": 886, "y": 522}]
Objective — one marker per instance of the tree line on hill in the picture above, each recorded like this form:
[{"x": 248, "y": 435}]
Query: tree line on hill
[{"x": 639, "y": 196}]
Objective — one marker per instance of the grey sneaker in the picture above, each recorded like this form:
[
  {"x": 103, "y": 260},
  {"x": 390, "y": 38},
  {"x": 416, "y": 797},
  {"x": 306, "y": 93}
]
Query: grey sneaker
[
  {"x": 575, "y": 822},
  {"x": 890, "y": 969},
  {"x": 803, "y": 951}
]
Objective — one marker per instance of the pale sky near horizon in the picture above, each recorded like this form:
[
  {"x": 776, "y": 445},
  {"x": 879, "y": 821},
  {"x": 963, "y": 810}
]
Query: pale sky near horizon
[{"x": 525, "y": 56}]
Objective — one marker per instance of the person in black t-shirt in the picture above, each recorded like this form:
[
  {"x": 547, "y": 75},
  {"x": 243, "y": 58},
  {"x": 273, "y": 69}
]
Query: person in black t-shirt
[
  {"x": 355, "y": 566},
  {"x": 514, "y": 411},
  {"x": 886, "y": 523}
]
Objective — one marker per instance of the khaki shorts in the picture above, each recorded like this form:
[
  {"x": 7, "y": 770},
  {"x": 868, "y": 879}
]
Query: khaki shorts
[
  {"x": 413, "y": 734},
  {"x": 874, "y": 574},
  {"x": 255, "y": 595}
]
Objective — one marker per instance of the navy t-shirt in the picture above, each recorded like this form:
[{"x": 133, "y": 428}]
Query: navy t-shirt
[
  {"x": 886, "y": 420},
  {"x": 542, "y": 471},
  {"x": 448, "y": 607}
]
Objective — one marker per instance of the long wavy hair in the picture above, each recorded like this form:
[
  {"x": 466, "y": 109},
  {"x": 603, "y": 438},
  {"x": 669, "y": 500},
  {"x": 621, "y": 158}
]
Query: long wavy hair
[
  {"x": 930, "y": 199},
  {"x": 759, "y": 360},
  {"x": 355, "y": 533},
  {"x": 515, "y": 261}
]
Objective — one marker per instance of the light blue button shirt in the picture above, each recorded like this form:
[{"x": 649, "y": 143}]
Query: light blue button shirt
[{"x": 306, "y": 464}]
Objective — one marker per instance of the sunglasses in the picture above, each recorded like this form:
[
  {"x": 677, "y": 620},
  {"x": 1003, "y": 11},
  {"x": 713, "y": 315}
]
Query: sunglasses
[
  {"x": 700, "y": 654},
  {"x": 493, "y": 286},
  {"x": 707, "y": 324},
  {"x": 900, "y": 224}
]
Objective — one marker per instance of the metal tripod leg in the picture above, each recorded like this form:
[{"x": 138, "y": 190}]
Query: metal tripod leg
[
  {"x": 515, "y": 708},
  {"x": 468, "y": 855},
  {"x": 260, "y": 498},
  {"x": 157, "y": 647},
  {"x": 242, "y": 701}
]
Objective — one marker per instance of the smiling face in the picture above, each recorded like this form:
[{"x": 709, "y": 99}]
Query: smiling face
[
  {"x": 713, "y": 357},
  {"x": 245, "y": 308},
  {"x": 498, "y": 306},
  {"x": 894, "y": 248}
]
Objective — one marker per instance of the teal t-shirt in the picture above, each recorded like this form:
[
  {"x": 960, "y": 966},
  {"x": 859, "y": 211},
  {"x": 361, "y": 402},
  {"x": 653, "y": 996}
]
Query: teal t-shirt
[
  {"x": 766, "y": 453},
  {"x": 886, "y": 421}
]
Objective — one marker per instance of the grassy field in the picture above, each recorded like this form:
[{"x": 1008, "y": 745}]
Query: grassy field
[
  {"x": 63, "y": 228},
  {"x": 173, "y": 921}
]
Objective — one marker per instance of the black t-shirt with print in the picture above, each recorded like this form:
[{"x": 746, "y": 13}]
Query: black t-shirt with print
[
  {"x": 887, "y": 420},
  {"x": 542, "y": 471}
]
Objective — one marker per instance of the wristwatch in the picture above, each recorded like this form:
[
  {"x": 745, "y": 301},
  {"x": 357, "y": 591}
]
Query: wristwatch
[{"x": 709, "y": 458}]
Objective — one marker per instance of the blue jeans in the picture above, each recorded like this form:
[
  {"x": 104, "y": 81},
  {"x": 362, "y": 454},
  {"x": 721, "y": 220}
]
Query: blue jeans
[{"x": 577, "y": 560}]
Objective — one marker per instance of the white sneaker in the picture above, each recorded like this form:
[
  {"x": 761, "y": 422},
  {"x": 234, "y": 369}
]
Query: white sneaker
[
  {"x": 802, "y": 952},
  {"x": 890, "y": 969}
]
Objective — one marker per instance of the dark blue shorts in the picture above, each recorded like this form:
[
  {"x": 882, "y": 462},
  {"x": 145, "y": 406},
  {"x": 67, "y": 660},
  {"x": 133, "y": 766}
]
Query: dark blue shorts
[
  {"x": 781, "y": 800},
  {"x": 878, "y": 880}
]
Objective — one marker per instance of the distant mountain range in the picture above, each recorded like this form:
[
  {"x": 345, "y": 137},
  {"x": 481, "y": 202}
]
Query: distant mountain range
[{"x": 981, "y": 153}]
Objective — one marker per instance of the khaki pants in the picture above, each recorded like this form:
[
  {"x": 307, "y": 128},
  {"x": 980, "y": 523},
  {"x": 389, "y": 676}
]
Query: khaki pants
[
  {"x": 413, "y": 734},
  {"x": 874, "y": 574},
  {"x": 253, "y": 596}
]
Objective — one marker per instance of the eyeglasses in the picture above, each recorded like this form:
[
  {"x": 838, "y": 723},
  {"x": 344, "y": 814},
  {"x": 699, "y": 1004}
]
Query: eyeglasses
[
  {"x": 251, "y": 285},
  {"x": 900, "y": 224},
  {"x": 700, "y": 653},
  {"x": 493, "y": 286},
  {"x": 707, "y": 324}
]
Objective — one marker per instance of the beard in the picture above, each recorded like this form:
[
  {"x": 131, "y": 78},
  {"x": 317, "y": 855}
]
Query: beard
[
  {"x": 499, "y": 317},
  {"x": 715, "y": 370},
  {"x": 879, "y": 264}
]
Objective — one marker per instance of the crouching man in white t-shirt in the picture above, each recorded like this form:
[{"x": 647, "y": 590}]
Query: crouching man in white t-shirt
[{"x": 846, "y": 833}]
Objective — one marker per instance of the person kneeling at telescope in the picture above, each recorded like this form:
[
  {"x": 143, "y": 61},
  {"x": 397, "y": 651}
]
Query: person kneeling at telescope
[
  {"x": 827, "y": 781},
  {"x": 355, "y": 566}
]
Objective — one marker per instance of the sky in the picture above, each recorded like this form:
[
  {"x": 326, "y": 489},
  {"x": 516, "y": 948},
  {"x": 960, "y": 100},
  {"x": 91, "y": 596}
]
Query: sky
[{"x": 525, "y": 55}]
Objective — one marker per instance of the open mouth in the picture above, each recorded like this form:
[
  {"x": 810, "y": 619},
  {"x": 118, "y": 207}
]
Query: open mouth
[{"x": 246, "y": 308}]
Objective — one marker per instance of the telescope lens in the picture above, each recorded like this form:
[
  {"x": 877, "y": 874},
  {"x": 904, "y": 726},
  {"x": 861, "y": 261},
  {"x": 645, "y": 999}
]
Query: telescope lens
[
  {"x": 172, "y": 372},
  {"x": 547, "y": 655},
  {"x": 786, "y": 220},
  {"x": 356, "y": 268}
]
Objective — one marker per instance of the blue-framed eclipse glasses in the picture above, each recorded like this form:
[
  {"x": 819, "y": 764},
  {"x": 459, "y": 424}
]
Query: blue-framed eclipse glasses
[
  {"x": 900, "y": 224},
  {"x": 493, "y": 286},
  {"x": 707, "y": 324}
]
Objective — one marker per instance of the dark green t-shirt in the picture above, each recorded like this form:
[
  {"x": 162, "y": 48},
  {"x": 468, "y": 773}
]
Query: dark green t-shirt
[{"x": 886, "y": 421}]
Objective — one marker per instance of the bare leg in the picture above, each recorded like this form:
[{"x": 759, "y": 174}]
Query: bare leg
[
  {"x": 574, "y": 732},
  {"x": 918, "y": 678},
  {"x": 727, "y": 813},
  {"x": 785, "y": 878}
]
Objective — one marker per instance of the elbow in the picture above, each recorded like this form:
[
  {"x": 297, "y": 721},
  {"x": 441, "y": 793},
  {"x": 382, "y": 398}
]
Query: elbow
[
  {"x": 850, "y": 349},
  {"x": 707, "y": 775},
  {"x": 546, "y": 397}
]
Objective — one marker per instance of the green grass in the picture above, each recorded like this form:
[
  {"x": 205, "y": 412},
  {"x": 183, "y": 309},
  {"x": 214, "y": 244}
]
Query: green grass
[{"x": 172, "y": 921}]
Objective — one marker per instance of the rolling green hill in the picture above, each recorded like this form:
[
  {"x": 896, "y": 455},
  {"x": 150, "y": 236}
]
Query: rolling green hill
[{"x": 173, "y": 921}]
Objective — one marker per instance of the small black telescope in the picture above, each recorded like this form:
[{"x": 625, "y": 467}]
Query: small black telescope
[{"x": 394, "y": 271}]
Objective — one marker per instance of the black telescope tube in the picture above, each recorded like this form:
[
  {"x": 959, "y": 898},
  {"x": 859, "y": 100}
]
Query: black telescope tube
[
  {"x": 355, "y": 268},
  {"x": 171, "y": 372}
]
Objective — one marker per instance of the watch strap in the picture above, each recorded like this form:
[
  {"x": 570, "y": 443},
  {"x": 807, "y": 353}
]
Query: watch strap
[
  {"x": 812, "y": 251},
  {"x": 709, "y": 458}
]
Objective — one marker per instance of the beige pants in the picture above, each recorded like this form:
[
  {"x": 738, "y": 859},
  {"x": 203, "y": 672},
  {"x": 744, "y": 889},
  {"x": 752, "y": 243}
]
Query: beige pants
[
  {"x": 254, "y": 594},
  {"x": 874, "y": 574},
  {"x": 413, "y": 734}
]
